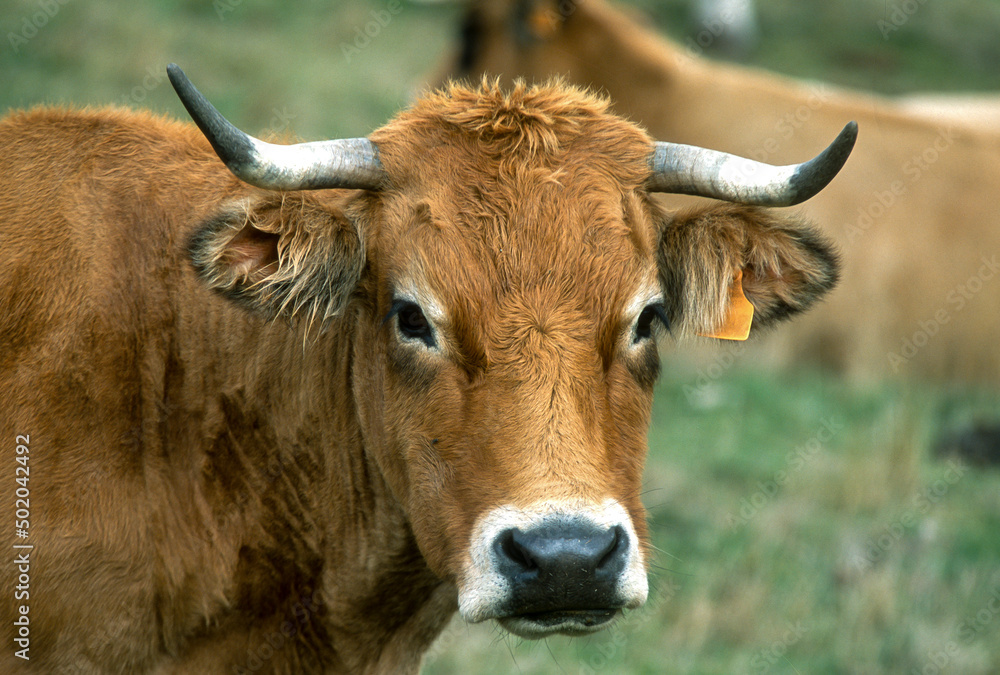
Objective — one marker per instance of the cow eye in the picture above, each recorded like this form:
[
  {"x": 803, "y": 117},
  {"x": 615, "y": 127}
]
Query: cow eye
[
  {"x": 645, "y": 323},
  {"x": 412, "y": 323}
]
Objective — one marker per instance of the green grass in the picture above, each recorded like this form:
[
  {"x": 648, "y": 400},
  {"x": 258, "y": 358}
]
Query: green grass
[
  {"x": 255, "y": 60},
  {"x": 724, "y": 592},
  {"x": 940, "y": 46},
  {"x": 253, "y": 57},
  {"x": 870, "y": 553}
]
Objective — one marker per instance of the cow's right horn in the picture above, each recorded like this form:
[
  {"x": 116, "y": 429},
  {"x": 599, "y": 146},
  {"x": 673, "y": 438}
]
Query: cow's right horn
[
  {"x": 690, "y": 170},
  {"x": 343, "y": 163}
]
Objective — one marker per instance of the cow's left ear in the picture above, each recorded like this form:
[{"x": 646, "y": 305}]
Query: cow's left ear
[
  {"x": 283, "y": 255},
  {"x": 786, "y": 266}
]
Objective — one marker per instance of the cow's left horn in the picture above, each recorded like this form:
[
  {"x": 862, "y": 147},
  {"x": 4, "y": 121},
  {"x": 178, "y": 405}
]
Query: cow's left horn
[
  {"x": 689, "y": 170},
  {"x": 343, "y": 163}
]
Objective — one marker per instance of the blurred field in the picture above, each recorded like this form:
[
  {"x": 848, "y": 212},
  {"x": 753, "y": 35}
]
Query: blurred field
[
  {"x": 863, "y": 556},
  {"x": 802, "y": 523}
]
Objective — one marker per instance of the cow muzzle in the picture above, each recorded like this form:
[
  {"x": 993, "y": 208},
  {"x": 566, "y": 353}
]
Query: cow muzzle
[{"x": 553, "y": 568}]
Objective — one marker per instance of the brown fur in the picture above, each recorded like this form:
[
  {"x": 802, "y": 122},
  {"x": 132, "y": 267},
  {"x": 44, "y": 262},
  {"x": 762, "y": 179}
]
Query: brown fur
[
  {"x": 905, "y": 268},
  {"x": 214, "y": 490},
  {"x": 786, "y": 267}
]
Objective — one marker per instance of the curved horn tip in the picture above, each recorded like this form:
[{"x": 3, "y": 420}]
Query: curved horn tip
[
  {"x": 817, "y": 173},
  {"x": 342, "y": 163},
  {"x": 685, "y": 169},
  {"x": 232, "y": 146},
  {"x": 178, "y": 80},
  {"x": 181, "y": 84}
]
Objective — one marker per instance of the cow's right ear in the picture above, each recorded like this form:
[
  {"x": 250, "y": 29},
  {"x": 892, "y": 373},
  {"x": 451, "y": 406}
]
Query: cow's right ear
[{"x": 282, "y": 256}]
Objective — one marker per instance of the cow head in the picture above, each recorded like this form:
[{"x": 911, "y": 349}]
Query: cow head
[
  {"x": 505, "y": 275},
  {"x": 534, "y": 39}
]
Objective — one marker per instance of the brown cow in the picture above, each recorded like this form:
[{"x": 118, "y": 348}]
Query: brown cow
[
  {"x": 915, "y": 212},
  {"x": 980, "y": 111},
  {"x": 272, "y": 430}
]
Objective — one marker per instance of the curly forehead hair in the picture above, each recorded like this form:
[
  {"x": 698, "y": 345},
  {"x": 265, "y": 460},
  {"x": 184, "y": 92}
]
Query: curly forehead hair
[{"x": 529, "y": 121}]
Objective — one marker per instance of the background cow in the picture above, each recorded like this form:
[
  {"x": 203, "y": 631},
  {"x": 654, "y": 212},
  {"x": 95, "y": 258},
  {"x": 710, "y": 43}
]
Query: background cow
[
  {"x": 914, "y": 213},
  {"x": 322, "y": 421},
  {"x": 979, "y": 111}
]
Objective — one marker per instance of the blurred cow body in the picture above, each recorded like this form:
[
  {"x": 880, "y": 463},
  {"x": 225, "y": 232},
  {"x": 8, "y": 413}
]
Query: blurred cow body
[
  {"x": 915, "y": 211},
  {"x": 979, "y": 111},
  {"x": 280, "y": 430}
]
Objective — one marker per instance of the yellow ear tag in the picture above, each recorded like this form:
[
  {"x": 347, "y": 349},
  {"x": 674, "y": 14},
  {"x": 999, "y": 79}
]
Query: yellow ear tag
[
  {"x": 739, "y": 315},
  {"x": 543, "y": 23}
]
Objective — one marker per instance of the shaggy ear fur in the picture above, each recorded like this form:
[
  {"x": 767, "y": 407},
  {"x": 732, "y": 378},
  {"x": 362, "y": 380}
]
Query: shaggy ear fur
[
  {"x": 282, "y": 256},
  {"x": 786, "y": 266}
]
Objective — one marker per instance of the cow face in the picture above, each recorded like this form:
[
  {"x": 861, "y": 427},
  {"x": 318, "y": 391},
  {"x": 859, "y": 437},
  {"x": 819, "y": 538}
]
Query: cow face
[{"x": 504, "y": 291}]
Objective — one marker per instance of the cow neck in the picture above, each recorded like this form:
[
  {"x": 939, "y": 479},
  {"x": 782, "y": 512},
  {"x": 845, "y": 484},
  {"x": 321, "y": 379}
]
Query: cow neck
[
  {"x": 347, "y": 535},
  {"x": 637, "y": 51}
]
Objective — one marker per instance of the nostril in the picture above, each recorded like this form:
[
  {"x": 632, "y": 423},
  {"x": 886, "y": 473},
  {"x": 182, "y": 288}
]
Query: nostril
[
  {"x": 515, "y": 551},
  {"x": 562, "y": 550},
  {"x": 513, "y": 555},
  {"x": 615, "y": 550}
]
